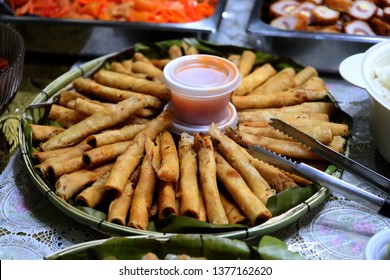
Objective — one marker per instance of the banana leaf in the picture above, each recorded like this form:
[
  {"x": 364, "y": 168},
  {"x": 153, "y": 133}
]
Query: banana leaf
[
  {"x": 183, "y": 224},
  {"x": 193, "y": 245},
  {"x": 287, "y": 199},
  {"x": 271, "y": 248}
]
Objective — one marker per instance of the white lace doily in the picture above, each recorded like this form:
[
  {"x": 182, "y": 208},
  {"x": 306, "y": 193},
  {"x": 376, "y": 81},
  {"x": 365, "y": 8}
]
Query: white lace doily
[
  {"x": 337, "y": 229},
  {"x": 30, "y": 226}
]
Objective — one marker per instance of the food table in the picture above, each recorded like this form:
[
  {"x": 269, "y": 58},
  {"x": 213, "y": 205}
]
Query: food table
[{"x": 32, "y": 228}]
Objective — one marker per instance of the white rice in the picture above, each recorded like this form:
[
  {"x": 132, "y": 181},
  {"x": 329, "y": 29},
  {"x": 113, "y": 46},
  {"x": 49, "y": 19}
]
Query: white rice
[{"x": 382, "y": 81}]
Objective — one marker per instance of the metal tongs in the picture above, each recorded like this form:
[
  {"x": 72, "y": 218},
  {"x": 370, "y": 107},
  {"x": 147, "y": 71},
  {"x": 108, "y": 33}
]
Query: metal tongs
[{"x": 382, "y": 206}]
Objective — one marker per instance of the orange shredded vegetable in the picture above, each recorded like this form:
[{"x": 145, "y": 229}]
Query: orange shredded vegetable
[{"x": 155, "y": 11}]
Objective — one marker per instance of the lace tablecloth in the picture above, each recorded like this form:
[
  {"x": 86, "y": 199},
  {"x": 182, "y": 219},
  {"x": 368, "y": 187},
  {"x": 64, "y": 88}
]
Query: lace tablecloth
[{"x": 32, "y": 228}]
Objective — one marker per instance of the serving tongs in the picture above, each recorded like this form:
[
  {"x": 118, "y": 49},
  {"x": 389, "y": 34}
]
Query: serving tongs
[{"x": 381, "y": 205}]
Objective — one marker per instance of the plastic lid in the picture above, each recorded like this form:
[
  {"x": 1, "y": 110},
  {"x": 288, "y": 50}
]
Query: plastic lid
[{"x": 178, "y": 127}]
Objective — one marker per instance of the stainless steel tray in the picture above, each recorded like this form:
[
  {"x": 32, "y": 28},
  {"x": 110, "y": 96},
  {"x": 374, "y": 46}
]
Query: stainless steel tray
[
  {"x": 206, "y": 25},
  {"x": 324, "y": 51},
  {"x": 97, "y": 37}
]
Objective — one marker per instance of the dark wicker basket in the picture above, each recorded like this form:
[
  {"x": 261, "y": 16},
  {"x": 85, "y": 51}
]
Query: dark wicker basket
[{"x": 12, "y": 49}]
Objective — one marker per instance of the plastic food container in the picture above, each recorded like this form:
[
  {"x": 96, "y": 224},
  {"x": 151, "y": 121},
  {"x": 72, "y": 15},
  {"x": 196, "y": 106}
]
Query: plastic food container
[
  {"x": 201, "y": 87},
  {"x": 359, "y": 69},
  {"x": 378, "y": 246}
]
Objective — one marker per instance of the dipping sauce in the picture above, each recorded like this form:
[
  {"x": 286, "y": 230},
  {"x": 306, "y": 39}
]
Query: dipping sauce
[{"x": 201, "y": 86}]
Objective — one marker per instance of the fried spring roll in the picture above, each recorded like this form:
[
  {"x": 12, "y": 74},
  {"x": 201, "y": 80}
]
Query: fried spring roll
[
  {"x": 69, "y": 185},
  {"x": 157, "y": 159},
  {"x": 93, "y": 124},
  {"x": 232, "y": 152},
  {"x": 132, "y": 156},
  {"x": 57, "y": 168},
  {"x": 249, "y": 203},
  {"x": 188, "y": 49},
  {"x": 174, "y": 52},
  {"x": 338, "y": 144},
  {"x": 285, "y": 98},
  {"x": 143, "y": 193},
  {"x": 125, "y": 164},
  {"x": 148, "y": 69},
  {"x": 124, "y": 68},
  {"x": 166, "y": 199},
  {"x": 267, "y": 130},
  {"x": 64, "y": 116},
  {"x": 67, "y": 96},
  {"x": 208, "y": 179},
  {"x": 317, "y": 107},
  {"x": 57, "y": 156},
  {"x": 321, "y": 133},
  {"x": 119, "y": 207},
  {"x": 120, "y": 68},
  {"x": 255, "y": 79},
  {"x": 138, "y": 56},
  {"x": 126, "y": 82},
  {"x": 128, "y": 64},
  {"x": 124, "y": 133},
  {"x": 281, "y": 81},
  {"x": 64, "y": 153},
  {"x": 338, "y": 129},
  {"x": 112, "y": 94},
  {"x": 305, "y": 74},
  {"x": 93, "y": 195},
  {"x": 188, "y": 185},
  {"x": 264, "y": 115},
  {"x": 160, "y": 63},
  {"x": 284, "y": 147},
  {"x": 202, "y": 208},
  {"x": 247, "y": 61},
  {"x": 235, "y": 58},
  {"x": 233, "y": 213},
  {"x": 90, "y": 107},
  {"x": 169, "y": 169},
  {"x": 104, "y": 154},
  {"x": 312, "y": 90},
  {"x": 273, "y": 175},
  {"x": 42, "y": 133}
]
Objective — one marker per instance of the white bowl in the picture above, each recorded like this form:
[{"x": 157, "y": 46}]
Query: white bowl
[
  {"x": 377, "y": 247},
  {"x": 359, "y": 69}
]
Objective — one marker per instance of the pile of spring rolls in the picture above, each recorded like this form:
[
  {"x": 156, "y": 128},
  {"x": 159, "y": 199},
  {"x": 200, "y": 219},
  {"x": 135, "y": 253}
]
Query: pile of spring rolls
[{"x": 113, "y": 150}]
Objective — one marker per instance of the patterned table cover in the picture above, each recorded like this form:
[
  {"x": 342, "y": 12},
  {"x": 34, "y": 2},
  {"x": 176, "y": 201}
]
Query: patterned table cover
[{"x": 32, "y": 228}]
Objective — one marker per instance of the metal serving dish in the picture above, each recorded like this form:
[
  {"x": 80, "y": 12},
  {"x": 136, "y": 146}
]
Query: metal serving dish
[
  {"x": 324, "y": 51},
  {"x": 97, "y": 37}
]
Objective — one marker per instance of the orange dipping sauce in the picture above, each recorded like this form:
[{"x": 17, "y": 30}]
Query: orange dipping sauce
[{"x": 201, "y": 86}]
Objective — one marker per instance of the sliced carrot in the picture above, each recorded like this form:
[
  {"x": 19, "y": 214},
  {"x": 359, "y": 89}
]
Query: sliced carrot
[
  {"x": 144, "y": 5},
  {"x": 163, "y": 11}
]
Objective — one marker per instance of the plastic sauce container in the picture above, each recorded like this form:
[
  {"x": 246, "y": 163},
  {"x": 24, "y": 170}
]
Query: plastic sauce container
[
  {"x": 378, "y": 246},
  {"x": 201, "y": 86}
]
